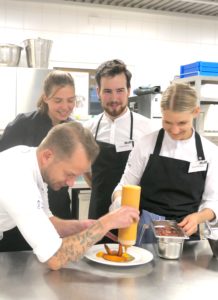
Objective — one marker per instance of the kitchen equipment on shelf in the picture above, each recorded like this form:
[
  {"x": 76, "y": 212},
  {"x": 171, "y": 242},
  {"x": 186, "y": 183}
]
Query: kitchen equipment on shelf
[
  {"x": 38, "y": 52},
  {"x": 10, "y": 55},
  {"x": 130, "y": 197},
  {"x": 170, "y": 238},
  {"x": 197, "y": 68},
  {"x": 143, "y": 90}
]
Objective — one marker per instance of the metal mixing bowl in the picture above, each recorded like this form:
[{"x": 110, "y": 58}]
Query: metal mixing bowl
[{"x": 9, "y": 55}]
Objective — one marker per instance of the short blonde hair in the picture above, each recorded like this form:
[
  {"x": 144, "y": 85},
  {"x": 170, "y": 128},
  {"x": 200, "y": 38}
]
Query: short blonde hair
[{"x": 64, "y": 139}]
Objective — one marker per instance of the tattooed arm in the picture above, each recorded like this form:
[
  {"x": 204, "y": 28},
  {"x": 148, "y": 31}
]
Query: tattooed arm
[
  {"x": 69, "y": 227},
  {"x": 74, "y": 246}
]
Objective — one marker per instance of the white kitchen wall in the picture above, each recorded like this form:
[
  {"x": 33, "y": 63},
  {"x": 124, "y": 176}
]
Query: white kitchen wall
[{"x": 153, "y": 45}]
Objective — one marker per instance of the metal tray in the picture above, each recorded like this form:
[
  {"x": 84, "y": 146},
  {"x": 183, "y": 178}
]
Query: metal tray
[
  {"x": 168, "y": 229},
  {"x": 170, "y": 242}
]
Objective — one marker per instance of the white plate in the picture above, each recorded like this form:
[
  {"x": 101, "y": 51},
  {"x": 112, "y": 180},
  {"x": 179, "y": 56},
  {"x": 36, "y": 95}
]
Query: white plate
[{"x": 142, "y": 256}]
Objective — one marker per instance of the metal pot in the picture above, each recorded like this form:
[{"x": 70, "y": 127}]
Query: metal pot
[
  {"x": 37, "y": 52},
  {"x": 10, "y": 55}
]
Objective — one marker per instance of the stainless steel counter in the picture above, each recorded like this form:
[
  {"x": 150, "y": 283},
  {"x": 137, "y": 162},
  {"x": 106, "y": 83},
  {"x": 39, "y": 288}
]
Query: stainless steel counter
[{"x": 194, "y": 276}]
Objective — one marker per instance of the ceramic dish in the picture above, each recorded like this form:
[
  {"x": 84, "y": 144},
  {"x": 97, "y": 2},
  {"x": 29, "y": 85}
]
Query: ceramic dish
[{"x": 142, "y": 256}]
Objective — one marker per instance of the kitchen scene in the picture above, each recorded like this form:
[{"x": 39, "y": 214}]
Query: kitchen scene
[{"x": 163, "y": 44}]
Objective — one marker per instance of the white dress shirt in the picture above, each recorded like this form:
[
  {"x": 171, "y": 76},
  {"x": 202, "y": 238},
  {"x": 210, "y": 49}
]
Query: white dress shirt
[
  {"x": 24, "y": 201},
  {"x": 182, "y": 149},
  {"x": 117, "y": 131}
]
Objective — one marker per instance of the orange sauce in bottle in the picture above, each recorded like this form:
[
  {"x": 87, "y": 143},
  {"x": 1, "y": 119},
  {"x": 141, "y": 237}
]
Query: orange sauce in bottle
[{"x": 130, "y": 197}]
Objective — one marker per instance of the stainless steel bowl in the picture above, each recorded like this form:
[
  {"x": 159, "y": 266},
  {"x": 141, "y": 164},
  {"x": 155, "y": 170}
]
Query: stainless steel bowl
[
  {"x": 170, "y": 241},
  {"x": 10, "y": 55}
]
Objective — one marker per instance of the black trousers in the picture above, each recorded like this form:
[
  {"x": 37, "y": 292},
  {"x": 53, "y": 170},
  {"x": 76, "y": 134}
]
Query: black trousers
[{"x": 60, "y": 206}]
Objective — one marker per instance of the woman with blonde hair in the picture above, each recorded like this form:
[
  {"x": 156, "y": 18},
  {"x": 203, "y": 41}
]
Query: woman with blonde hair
[{"x": 176, "y": 168}]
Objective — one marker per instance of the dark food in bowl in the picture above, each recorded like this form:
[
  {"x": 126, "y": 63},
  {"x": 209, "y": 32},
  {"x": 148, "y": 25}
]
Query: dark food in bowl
[{"x": 168, "y": 231}]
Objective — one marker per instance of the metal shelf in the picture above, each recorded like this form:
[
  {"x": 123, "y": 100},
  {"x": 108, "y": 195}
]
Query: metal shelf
[
  {"x": 197, "y": 82},
  {"x": 202, "y": 79}
]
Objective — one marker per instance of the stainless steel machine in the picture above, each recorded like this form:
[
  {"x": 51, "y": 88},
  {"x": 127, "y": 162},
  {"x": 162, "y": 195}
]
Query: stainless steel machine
[{"x": 147, "y": 105}]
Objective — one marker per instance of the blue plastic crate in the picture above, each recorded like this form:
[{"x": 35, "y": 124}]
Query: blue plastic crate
[{"x": 200, "y": 68}]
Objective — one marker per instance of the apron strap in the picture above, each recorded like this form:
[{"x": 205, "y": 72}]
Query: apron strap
[
  {"x": 131, "y": 127},
  {"x": 159, "y": 142},
  {"x": 199, "y": 147},
  {"x": 99, "y": 121}
]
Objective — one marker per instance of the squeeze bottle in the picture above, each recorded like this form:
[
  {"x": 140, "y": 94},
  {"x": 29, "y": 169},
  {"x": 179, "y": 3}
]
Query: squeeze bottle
[{"x": 130, "y": 197}]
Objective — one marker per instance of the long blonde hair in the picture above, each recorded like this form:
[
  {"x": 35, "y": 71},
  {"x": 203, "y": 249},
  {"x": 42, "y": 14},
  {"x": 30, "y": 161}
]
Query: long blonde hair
[
  {"x": 58, "y": 79},
  {"x": 179, "y": 97}
]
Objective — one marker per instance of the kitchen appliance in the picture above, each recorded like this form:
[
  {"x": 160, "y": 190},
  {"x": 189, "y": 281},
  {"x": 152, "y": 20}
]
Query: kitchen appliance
[
  {"x": 10, "y": 55},
  {"x": 147, "y": 105},
  {"x": 38, "y": 52}
]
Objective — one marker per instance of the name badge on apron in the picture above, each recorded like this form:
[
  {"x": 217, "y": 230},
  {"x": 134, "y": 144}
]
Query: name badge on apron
[
  {"x": 197, "y": 166},
  {"x": 124, "y": 146}
]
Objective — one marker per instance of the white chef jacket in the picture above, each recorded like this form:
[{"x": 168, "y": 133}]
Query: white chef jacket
[
  {"x": 24, "y": 201},
  {"x": 117, "y": 131},
  {"x": 182, "y": 149}
]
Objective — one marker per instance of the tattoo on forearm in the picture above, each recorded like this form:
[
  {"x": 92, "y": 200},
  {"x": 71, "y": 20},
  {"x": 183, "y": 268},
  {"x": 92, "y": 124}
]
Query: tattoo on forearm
[{"x": 74, "y": 247}]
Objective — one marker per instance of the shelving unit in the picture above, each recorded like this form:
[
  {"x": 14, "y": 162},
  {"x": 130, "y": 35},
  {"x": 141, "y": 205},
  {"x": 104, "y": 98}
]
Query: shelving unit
[{"x": 198, "y": 82}]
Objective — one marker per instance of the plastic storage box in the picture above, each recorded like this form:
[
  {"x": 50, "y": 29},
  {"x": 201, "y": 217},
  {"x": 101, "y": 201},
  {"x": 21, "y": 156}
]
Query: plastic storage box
[{"x": 199, "y": 68}]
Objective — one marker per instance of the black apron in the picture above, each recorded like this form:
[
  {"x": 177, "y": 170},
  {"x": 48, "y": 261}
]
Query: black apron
[
  {"x": 167, "y": 187},
  {"x": 168, "y": 190},
  {"x": 106, "y": 173}
]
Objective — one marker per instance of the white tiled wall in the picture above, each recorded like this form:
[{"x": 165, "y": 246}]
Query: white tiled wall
[{"x": 153, "y": 45}]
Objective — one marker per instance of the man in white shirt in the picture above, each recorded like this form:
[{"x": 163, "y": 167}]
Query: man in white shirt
[
  {"x": 115, "y": 130},
  {"x": 67, "y": 152}
]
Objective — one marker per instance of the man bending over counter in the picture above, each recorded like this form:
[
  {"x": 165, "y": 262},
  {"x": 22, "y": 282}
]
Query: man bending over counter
[{"x": 66, "y": 152}]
